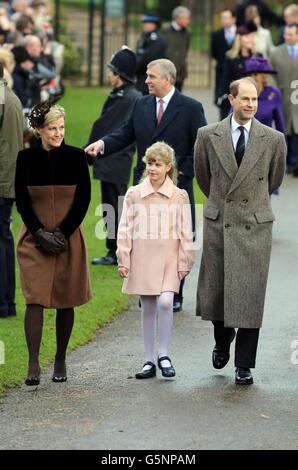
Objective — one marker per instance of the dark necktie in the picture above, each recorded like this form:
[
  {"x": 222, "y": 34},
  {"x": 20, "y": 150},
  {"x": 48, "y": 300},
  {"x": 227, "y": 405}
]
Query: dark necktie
[{"x": 240, "y": 148}]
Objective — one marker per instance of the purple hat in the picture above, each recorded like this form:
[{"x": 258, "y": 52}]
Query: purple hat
[
  {"x": 247, "y": 28},
  {"x": 258, "y": 65}
]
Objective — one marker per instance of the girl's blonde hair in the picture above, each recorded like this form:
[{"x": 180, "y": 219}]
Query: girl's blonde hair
[
  {"x": 166, "y": 154},
  {"x": 235, "y": 51}
]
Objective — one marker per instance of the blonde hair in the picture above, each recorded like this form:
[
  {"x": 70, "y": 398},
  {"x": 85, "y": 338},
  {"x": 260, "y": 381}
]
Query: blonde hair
[
  {"x": 166, "y": 154},
  {"x": 234, "y": 52},
  {"x": 54, "y": 113}
]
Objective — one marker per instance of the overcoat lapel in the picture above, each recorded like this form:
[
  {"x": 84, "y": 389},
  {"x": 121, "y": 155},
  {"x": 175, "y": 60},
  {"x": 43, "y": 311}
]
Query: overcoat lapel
[
  {"x": 222, "y": 143},
  {"x": 169, "y": 114}
]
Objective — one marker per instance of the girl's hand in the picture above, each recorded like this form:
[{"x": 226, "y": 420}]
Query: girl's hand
[
  {"x": 182, "y": 274},
  {"x": 123, "y": 272}
]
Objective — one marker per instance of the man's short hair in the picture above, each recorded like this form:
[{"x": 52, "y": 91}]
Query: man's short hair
[
  {"x": 234, "y": 86},
  {"x": 166, "y": 67},
  {"x": 180, "y": 11}
]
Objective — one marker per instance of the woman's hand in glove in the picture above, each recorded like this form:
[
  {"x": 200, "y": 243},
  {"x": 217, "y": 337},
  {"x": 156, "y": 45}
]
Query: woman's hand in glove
[{"x": 48, "y": 243}]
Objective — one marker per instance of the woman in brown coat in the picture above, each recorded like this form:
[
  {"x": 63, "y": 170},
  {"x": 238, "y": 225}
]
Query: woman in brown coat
[
  {"x": 155, "y": 250},
  {"x": 52, "y": 195}
]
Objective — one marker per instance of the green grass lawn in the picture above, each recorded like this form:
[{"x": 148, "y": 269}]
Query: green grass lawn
[{"x": 82, "y": 107}]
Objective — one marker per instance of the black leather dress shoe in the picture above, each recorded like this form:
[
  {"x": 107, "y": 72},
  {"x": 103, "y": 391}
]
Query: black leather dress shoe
[
  {"x": 243, "y": 376},
  {"x": 105, "y": 260},
  {"x": 177, "y": 305},
  {"x": 147, "y": 374},
  {"x": 221, "y": 357},
  {"x": 166, "y": 371}
]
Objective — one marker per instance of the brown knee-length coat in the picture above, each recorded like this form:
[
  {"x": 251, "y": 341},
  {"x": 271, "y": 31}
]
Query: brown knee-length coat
[
  {"x": 53, "y": 190},
  {"x": 155, "y": 238}
]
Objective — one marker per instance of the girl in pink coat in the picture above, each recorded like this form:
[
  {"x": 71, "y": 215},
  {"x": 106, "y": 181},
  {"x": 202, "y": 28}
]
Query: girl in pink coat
[{"x": 155, "y": 250}]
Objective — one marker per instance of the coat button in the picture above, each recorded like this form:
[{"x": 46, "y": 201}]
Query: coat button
[
  {"x": 247, "y": 227},
  {"x": 245, "y": 201},
  {"x": 227, "y": 225}
]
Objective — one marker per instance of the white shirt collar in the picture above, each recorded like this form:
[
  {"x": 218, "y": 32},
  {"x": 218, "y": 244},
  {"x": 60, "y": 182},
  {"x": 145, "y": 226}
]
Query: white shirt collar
[
  {"x": 235, "y": 125},
  {"x": 166, "y": 99},
  {"x": 176, "y": 26}
]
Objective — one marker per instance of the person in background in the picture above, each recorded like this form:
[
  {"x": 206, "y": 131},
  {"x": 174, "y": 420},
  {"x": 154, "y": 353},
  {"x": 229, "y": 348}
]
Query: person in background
[
  {"x": 291, "y": 17},
  {"x": 155, "y": 232},
  {"x": 11, "y": 138},
  {"x": 234, "y": 64},
  {"x": 268, "y": 16},
  {"x": 221, "y": 41},
  {"x": 262, "y": 37},
  {"x": 284, "y": 59},
  {"x": 114, "y": 172},
  {"x": 177, "y": 37},
  {"x": 53, "y": 193},
  {"x": 150, "y": 46}
]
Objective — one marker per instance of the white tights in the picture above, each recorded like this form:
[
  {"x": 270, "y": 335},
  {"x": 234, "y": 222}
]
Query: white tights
[{"x": 161, "y": 305}]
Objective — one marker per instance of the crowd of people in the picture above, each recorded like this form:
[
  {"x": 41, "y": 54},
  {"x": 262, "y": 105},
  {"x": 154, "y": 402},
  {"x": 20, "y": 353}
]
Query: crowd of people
[{"x": 146, "y": 110}]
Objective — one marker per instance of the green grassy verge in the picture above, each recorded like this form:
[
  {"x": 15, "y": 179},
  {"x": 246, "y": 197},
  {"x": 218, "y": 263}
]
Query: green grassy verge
[{"x": 82, "y": 107}]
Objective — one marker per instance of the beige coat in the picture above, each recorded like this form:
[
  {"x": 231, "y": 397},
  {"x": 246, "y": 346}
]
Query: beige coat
[
  {"x": 238, "y": 221},
  {"x": 286, "y": 79},
  {"x": 155, "y": 238}
]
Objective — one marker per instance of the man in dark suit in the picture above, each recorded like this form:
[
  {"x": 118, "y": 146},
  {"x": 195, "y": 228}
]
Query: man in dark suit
[
  {"x": 221, "y": 41},
  {"x": 181, "y": 118},
  {"x": 114, "y": 172}
]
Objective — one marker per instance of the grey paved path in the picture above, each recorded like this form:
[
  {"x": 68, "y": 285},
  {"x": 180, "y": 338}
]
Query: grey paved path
[{"x": 103, "y": 407}]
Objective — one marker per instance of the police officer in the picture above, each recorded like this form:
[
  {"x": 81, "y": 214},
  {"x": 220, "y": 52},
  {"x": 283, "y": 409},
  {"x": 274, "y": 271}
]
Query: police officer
[
  {"x": 150, "y": 46},
  {"x": 114, "y": 172}
]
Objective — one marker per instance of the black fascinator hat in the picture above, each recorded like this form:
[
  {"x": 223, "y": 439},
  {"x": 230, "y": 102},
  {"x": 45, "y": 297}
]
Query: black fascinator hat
[{"x": 38, "y": 113}]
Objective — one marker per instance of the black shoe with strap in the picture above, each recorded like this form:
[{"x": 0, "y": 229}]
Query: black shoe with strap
[
  {"x": 166, "y": 371},
  {"x": 33, "y": 380},
  {"x": 148, "y": 373},
  {"x": 243, "y": 376},
  {"x": 220, "y": 357}
]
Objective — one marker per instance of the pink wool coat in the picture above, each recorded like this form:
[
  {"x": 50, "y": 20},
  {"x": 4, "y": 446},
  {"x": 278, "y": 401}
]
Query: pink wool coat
[{"x": 155, "y": 238}]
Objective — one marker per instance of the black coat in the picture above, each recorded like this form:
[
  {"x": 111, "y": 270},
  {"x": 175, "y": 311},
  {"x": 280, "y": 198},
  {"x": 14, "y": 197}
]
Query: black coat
[
  {"x": 178, "y": 128},
  {"x": 218, "y": 49},
  {"x": 150, "y": 46},
  {"x": 115, "y": 169}
]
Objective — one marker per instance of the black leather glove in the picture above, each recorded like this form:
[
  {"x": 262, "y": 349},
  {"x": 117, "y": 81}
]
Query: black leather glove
[
  {"x": 60, "y": 237},
  {"x": 47, "y": 242}
]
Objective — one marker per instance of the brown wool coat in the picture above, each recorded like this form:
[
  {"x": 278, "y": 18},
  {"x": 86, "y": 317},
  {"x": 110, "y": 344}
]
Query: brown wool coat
[
  {"x": 60, "y": 281},
  {"x": 155, "y": 238},
  {"x": 238, "y": 221}
]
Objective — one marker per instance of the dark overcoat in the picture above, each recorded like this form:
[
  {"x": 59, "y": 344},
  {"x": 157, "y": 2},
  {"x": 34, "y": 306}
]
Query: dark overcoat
[
  {"x": 116, "y": 169},
  {"x": 178, "y": 128},
  {"x": 238, "y": 220}
]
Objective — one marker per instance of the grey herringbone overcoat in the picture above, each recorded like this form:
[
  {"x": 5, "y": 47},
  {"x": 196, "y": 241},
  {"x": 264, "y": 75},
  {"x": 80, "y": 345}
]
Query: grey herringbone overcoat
[{"x": 237, "y": 221}]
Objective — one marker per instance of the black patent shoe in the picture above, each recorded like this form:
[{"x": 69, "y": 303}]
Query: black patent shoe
[
  {"x": 59, "y": 377},
  {"x": 243, "y": 376},
  {"x": 33, "y": 380},
  {"x": 166, "y": 371},
  {"x": 220, "y": 358},
  {"x": 109, "y": 260},
  {"x": 147, "y": 374}
]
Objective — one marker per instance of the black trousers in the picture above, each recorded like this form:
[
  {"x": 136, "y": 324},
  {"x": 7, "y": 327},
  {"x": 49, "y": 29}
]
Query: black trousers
[
  {"x": 7, "y": 260},
  {"x": 186, "y": 184},
  {"x": 110, "y": 194},
  {"x": 246, "y": 343}
]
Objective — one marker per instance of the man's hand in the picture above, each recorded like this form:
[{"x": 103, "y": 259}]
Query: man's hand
[
  {"x": 182, "y": 274},
  {"x": 95, "y": 148},
  {"x": 123, "y": 272}
]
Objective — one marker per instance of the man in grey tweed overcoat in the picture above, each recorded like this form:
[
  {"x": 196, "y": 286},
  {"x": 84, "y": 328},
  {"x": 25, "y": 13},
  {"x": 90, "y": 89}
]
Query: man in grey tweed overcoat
[{"x": 239, "y": 162}]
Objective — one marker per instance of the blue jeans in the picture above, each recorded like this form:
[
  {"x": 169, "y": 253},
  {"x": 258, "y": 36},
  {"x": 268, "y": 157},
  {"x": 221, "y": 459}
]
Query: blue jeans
[{"x": 7, "y": 260}]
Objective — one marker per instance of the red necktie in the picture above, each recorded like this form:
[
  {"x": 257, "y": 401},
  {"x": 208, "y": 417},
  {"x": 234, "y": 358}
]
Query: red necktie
[{"x": 160, "y": 111}]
